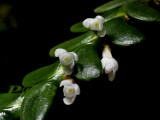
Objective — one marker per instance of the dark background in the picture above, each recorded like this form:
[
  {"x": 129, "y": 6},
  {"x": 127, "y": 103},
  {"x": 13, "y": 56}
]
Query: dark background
[{"x": 44, "y": 24}]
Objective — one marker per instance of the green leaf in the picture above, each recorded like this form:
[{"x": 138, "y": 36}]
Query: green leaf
[
  {"x": 141, "y": 11},
  {"x": 72, "y": 44},
  {"x": 7, "y": 99},
  {"x": 38, "y": 100},
  {"x": 78, "y": 27},
  {"x": 122, "y": 33},
  {"x": 110, "y": 5},
  {"x": 10, "y": 105},
  {"x": 108, "y": 15},
  {"x": 50, "y": 72},
  {"x": 89, "y": 65}
]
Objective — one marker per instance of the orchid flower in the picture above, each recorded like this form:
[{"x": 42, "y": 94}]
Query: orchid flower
[
  {"x": 95, "y": 24},
  {"x": 109, "y": 64},
  {"x": 70, "y": 90},
  {"x": 67, "y": 59}
]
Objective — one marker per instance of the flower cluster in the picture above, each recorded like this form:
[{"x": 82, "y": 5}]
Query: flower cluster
[
  {"x": 95, "y": 24},
  {"x": 109, "y": 64},
  {"x": 67, "y": 59},
  {"x": 70, "y": 90}
]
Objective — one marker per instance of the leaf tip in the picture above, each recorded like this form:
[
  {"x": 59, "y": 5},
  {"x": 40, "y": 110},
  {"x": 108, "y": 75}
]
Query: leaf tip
[
  {"x": 95, "y": 10},
  {"x": 51, "y": 53}
]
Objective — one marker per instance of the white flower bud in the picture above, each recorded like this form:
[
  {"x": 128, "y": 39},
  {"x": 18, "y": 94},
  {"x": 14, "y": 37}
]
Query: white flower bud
[
  {"x": 109, "y": 64},
  {"x": 70, "y": 91},
  {"x": 95, "y": 24},
  {"x": 67, "y": 59}
]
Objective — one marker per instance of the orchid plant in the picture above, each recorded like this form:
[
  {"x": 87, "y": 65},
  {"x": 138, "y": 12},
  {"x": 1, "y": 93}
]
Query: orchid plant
[{"x": 78, "y": 59}]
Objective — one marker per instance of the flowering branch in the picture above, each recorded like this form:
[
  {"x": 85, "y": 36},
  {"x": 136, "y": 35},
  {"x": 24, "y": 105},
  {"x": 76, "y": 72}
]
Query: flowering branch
[{"x": 78, "y": 58}]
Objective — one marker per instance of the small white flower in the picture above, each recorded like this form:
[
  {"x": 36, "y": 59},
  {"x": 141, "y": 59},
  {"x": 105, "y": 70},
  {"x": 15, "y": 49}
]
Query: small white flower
[
  {"x": 109, "y": 64},
  {"x": 95, "y": 24},
  {"x": 67, "y": 59},
  {"x": 70, "y": 91}
]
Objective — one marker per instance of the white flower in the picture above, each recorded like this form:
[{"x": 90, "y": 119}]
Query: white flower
[
  {"x": 70, "y": 91},
  {"x": 109, "y": 64},
  {"x": 95, "y": 24},
  {"x": 67, "y": 59}
]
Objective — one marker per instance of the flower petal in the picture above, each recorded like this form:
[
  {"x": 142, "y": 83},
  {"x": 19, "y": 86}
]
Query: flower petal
[
  {"x": 100, "y": 27},
  {"x": 111, "y": 64},
  {"x": 104, "y": 62},
  {"x": 115, "y": 65},
  {"x": 102, "y": 32},
  {"x": 77, "y": 89},
  {"x": 108, "y": 68},
  {"x": 94, "y": 24},
  {"x": 100, "y": 18},
  {"x": 75, "y": 56},
  {"x": 111, "y": 75},
  {"x": 66, "y": 82},
  {"x": 72, "y": 65},
  {"x": 68, "y": 101},
  {"x": 66, "y": 90},
  {"x": 86, "y": 22},
  {"x": 59, "y": 52}
]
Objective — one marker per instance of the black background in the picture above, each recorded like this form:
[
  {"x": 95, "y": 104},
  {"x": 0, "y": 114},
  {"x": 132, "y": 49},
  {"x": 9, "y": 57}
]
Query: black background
[{"x": 44, "y": 24}]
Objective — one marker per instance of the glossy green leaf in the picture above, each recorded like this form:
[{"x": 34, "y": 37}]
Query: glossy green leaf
[
  {"x": 108, "y": 15},
  {"x": 78, "y": 27},
  {"x": 89, "y": 65},
  {"x": 38, "y": 100},
  {"x": 141, "y": 11},
  {"x": 110, "y": 5},
  {"x": 7, "y": 99},
  {"x": 50, "y": 72},
  {"x": 10, "y": 105},
  {"x": 122, "y": 33},
  {"x": 72, "y": 44}
]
